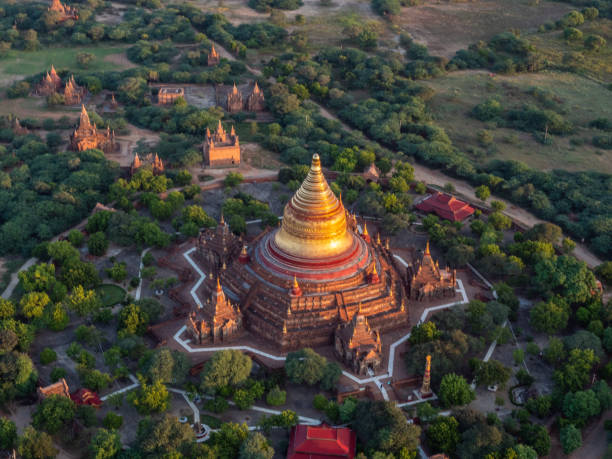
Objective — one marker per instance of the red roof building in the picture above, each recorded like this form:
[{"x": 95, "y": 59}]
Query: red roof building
[
  {"x": 321, "y": 442},
  {"x": 446, "y": 206},
  {"x": 86, "y": 397}
]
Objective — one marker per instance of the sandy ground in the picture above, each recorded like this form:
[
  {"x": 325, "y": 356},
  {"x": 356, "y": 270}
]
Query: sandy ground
[
  {"x": 128, "y": 143},
  {"x": 447, "y": 27},
  {"x": 120, "y": 60}
]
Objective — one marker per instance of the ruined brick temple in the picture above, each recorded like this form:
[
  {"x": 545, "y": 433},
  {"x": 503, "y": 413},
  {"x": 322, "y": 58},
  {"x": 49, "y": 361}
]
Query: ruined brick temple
[
  {"x": 358, "y": 345},
  {"x": 303, "y": 283},
  {"x": 65, "y": 12},
  {"x": 52, "y": 84},
  {"x": 87, "y": 136},
  {"x": 255, "y": 101},
  {"x": 168, "y": 95},
  {"x": 152, "y": 161},
  {"x": 221, "y": 149},
  {"x": 426, "y": 280},
  {"x": 213, "y": 57}
]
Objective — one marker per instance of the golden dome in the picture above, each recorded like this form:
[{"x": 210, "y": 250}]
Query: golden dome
[{"x": 314, "y": 220}]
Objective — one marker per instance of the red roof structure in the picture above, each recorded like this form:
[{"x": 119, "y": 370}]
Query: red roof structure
[
  {"x": 86, "y": 397},
  {"x": 446, "y": 206},
  {"x": 321, "y": 442}
]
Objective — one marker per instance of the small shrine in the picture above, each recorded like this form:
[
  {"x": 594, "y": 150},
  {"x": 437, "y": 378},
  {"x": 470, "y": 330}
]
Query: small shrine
[
  {"x": 426, "y": 280},
  {"x": 358, "y": 345},
  {"x": 221, "y": 149},
  {"x": 216, "y": 321}
]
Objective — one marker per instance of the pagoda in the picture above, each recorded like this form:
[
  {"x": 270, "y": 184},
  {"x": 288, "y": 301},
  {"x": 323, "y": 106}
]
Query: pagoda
[
  {"x": 152, "y": 161},
  {"x": 358, "y": 345},
  {"x": 73, "y": 93},
  {"x": 426, "y": 280},
  {"x": 234, "y": 100},
  {"x": 215, "y": 321},
  {"x": 50, "y": 84},
  {"x": 255, "y": 100},
  {"x": 213, "y": 57},
  {"x": 217, "y": 248},
  {"x": 300, "y": 281},
  {"x": 65, "y": 12},
  {"x": 220, "y": 149},
  {"x": 87, "y": 136}
]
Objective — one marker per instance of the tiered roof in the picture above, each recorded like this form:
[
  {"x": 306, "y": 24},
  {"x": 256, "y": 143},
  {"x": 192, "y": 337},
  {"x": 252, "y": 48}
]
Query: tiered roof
[{"x": 58, "y": 388}]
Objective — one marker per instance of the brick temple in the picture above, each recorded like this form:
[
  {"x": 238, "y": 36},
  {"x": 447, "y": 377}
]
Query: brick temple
[
  {"x": 213, "y": 57},
  {"x": 300, "y": 283},
  {"x": 152, "y": 161},
  {"x": 65, "y": 12},
  {"x": 87, "y": 136},
  {"x": 52, "y": 84},
  {"x": 221, "y": 149},
  {"x": 168, "y": 95},
  {"x": 426, "y": 280},
  {"x": 235, "y": 101}
]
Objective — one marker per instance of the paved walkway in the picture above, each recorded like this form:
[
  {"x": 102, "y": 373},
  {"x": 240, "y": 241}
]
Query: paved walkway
[
  {"x": 377, "y": 380},
  {"x": 15, "y": 279}
]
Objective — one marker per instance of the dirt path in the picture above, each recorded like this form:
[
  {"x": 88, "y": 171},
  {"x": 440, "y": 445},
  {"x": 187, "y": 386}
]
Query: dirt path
[{"x": 594, "y": 442}]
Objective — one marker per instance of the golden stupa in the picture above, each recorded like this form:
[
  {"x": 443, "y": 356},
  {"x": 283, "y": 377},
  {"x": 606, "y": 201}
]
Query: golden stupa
[
  {"x": 298, "y": 282},
  {"x": 314, "y": 220}
]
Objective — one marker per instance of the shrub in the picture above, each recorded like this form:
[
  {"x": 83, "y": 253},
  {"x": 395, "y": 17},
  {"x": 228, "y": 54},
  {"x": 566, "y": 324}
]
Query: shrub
[
  {"x": 276, "y": 396},
  {"x": 57, "y": 373},
  {"x": 47, "y": 355},
  {"x": 572, "y": 34},
  {"x": 603, "y": 141},
  {"x": 113, "y": 421}
]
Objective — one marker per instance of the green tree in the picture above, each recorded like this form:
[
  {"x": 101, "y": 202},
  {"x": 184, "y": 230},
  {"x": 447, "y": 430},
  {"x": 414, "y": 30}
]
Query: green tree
[
  {"x": 133, "y": 320},
  {"x": 482, "y": 192},
  {"x": 555, "y": 352},
  {"x": 76, "y": 238},
  {"x": 8, "y": 434},
  {"x": 228, "y": 439},
  {"x": 579, "y": 406},
  {"x": 118, "y": 272},
  {"x": 381, "y": 426},
  {"x": 38, "y": 278},
  {"x": 454, "y": 390},
  {"x": 105, "y": 444},
  {"x": 83, "y": 302},
  {"x": 550, "y": 317},
  {"x": 443, "y": 434},
  {"x": 36, "y": 445},
  {"x": 305, "y": 366},
  {"x": 256, "y": 446},
  {"x": 32, "y": 305},
  {"x": 97, "y": 244},
  {"x": 226, "y": 368},
  {"x": 233, "y": 179},
  {"x": 53, "y": 414},
  {"x": 150, "y": 398},
  {"x": 575, "y": 374},
  {"x": 276, "y": 396},
  {"x": 492, "y": 372},
  {"x": 423, "y": 333},
  {"x": 164, "y": 437},
  {"x": 571, "y": 438}
]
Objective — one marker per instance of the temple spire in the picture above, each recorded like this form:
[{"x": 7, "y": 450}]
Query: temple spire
[{"x": 427, "y": 249}]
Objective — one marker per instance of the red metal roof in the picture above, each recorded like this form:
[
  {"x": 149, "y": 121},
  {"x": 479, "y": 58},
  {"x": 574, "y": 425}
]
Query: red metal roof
[
  {"x": 446, "y": 206},
  {"x": 321, "y": 442}
]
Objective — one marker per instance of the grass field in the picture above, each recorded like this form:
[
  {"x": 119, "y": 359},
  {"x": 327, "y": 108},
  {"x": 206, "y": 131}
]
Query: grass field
[
  {"x": 110, "y": 294},
  {"x": 594, "y": 64},
  {"x": 21, "y": 63},
  {"x": 581, "y": 101}
]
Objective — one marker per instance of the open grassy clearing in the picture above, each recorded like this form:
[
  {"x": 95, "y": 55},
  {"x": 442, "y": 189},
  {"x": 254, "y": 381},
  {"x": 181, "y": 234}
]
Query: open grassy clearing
[
  {"x": 446, "y": 27},
  {"x": 596, "y": 64},
  {"x": 582, "y": 101},
  {"x": 110, "y": 294},
  {"x": 21, "y": 63}
]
